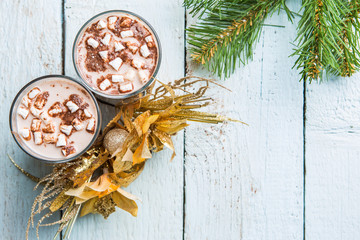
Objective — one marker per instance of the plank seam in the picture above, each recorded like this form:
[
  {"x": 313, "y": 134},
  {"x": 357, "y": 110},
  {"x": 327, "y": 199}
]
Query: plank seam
[
  {"x": 184, "y": 135},
  {"x": 62, "y": 63},
  {"x": 304, "y": 158}
]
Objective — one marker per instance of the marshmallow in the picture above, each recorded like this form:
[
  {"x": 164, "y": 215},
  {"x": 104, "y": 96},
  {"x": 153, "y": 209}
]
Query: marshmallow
[
  {"x": 144, "y": 50},
  {"x": 72, "y": 106},
  {"x": 67, "y": 129},
  {"x": 23, "y": 112},
  {"x": 116, "y": 63},
  {"x": 133, "y": 47},
  {"x": 130, "y": 75},
  {"x": 128, "y": 33},
  {"x": 49, "y": 128},
  {"x": 92, "y": 42},
  {"x": 106, "y": 39},
  {"x": 77, "y": 124},
  {"x": 118, "y": 46},
  {"x": 126, "y": 22},
  {"x": 45, "y": 117},
  {"x": 25, "y": 101},
  {"x": 55, "y": 109},
  {"x": 101, "y": 24},
  {"x": 105, "y": 84},
  {"x": 35, "y": 125},
  {"x": 38, "y": 138},
  {"x": 136, "y": 63},
  {"x": 104, "y": 54},
  {"x": 50, "y": 138},
  {"x": 126, "y": 87},
  {"x": 148, "y": 39},
  {"x": 91, "y": 125},
  {"x": 41, "y": 100},
  {"x": 112, "y": 21},
  {"x": 144, "y": 75},
  {"x": 117, "y": 78},
  {"x": 61, "y": 141},
  {"x": 35, "y": 112},
  {"x": 87, "y": 113},
  {"x": 66, "y": 151},
  {"x": 34, "y": 92},
  {"x": 25, "y": 133}
]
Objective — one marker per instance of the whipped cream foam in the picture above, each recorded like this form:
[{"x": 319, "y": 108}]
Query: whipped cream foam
[
  {"x": 116, "y": 53},
  {"x": 56, "y": 118}
]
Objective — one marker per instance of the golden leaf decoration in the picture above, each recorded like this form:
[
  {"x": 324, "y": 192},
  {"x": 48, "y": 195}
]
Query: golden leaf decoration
[{"x": 125, "y": 203}]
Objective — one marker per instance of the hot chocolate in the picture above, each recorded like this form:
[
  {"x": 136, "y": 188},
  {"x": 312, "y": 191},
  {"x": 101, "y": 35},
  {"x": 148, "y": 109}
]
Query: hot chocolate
[
  {"x": 55, "y": 118},
  {"x": 116, "y": 53}
]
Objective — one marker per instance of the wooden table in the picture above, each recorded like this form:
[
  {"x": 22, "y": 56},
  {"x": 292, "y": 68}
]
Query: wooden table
[{"x": 292, "y": 173}]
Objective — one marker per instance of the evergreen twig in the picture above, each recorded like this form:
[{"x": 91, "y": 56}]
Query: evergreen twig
[{"x": 228, "y": 31}]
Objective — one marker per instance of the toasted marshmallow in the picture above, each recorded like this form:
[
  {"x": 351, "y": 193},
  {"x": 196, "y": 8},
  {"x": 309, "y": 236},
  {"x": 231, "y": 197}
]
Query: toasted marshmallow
[
  {"x": 117, "y": 78},
  {"x": 149, "y": 39},
  {"x": 50, "y": 138},
  {"x": 66, "y": 151},
  {"x": 87, "y": 114},
  {"x": 61, "y": 140},
  {"x": 144, "y": 75},
  {"x": 104, "y": 55},
  {"x": 35, "y": 112},
  {"x": 38, "y": 138},
  {"x": 128, "y": 33},
  {"x": 49, "y": 128},
  {"x": 138, "y": 64},
  {"x": 116, "y": 63},
  {"x": 92, "y": 42},
  {"x": 72, "y": 106},
  {"x": 78, "y": 125},
  {"x": 23, "y": 112},
  {"x": 112, "y": 21},
  {"x": 101, "y": 24},
  {"x": 130, "y": 75},
  {"x": 35, "y": 125},
  {"x": 45, "y": 117},
  {"x": 126, "y": 87},
  {"x": 106, "y": 84},
  {"x": 133, "y": 47},
  {"x": 118, "y": 46},
  {"x": 125, "y": 22},
  {"x": 106, "y": 39},
  {"x": 25, "y": 101},
  {"x": 25, "y": 133},
  {"x": 33, "y": 92},
  {"x": 55, "y": 109},
  {"x": 41, "y": 100},
  {"x": 67, "y": 129},
  {"x": 91, "y": 125},
  {"x": 144, "y": 50}
]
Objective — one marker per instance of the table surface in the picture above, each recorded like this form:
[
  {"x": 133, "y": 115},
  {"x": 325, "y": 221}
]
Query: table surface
[{"x": 291, "y": 174}]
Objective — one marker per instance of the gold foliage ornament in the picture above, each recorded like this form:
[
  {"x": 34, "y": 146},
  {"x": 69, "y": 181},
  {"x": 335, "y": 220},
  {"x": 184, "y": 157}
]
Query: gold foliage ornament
[{"x": 94, "y": 182}]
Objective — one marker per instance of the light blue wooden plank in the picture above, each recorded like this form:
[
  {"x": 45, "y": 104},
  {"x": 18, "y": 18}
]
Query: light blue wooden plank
[
  {"x": 246, "y": 182},
  {"x": 30, "y": 47}
]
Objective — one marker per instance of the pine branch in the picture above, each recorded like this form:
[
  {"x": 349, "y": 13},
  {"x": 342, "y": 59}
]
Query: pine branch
[
  {"x": 201, "y": 6},
  {"x": 228, "y": 32},
  {"x": 350, "y": 33},
  {"x": 326, "y": 41}
]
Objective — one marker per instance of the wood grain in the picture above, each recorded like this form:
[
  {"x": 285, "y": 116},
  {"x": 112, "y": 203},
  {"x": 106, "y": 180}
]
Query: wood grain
[
  {"x": 30, "y": 47},
  {"x": 246, "y": 182},
  {"x": 160, "y": 186},
  {"x": 332, "y": 159}
]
